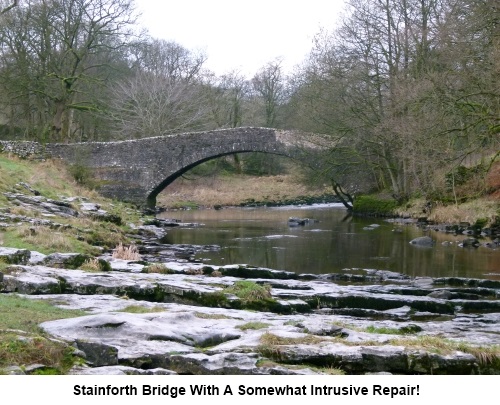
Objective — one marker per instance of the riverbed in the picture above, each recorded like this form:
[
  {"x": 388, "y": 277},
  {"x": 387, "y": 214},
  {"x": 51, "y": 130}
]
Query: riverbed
[{"x": 331, "y": 242}]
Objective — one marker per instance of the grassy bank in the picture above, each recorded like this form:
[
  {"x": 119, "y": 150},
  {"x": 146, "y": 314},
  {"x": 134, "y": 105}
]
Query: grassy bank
[
  {"x": 52, "y": 180},
  {"x": 484, "y": 210},
  {"x": 234, "y": 190}
]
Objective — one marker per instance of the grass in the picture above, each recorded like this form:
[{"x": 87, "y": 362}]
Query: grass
[
  {"x": 233, "y": 190},
  {"x": 384, "y": 330},
  {"x": 158, "y": 268},
  {"x": 264, "y": 363},
  {"x": 271, "y": 345},
  {"x": 185, "y": 205},
  {"x": 44, "y": 240},
  {"x": 253, "y": 326},
  {"x": 126, "y": 252},
  {"x": 252, "y": 296},
  {"x": 485, "y": 355},
  {"x": 248, "y": 291},
  {"x": 16, "y": 351},
  {"x": 270, "y": 339},
  {"x": 472, "y": 211},
  {"x": 49, "y": 177},
  {"x": 22, "y": 314},
  {"x": 138, "y": 309},
  {"x": 26, "y": 314},
  {"x": 203, "y": 315},
  {"x": 485, "y": 210},
  {"x": 95, "y": 265},
  {"x": 53, "y": 180}
]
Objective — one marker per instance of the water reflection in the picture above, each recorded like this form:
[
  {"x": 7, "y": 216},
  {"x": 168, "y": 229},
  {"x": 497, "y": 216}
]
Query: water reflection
[{"x": 262, "y": 237}]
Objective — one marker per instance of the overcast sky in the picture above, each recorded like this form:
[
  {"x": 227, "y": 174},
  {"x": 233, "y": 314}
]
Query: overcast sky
[{"x": 241, "y": 34}]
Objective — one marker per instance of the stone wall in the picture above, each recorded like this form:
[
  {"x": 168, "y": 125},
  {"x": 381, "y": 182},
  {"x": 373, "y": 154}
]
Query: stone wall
[{"x": 23, "y": 150}]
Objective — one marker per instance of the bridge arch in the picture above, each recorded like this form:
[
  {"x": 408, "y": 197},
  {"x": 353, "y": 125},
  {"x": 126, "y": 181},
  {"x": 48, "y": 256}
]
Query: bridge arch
[{"x": 171, "y": 177}]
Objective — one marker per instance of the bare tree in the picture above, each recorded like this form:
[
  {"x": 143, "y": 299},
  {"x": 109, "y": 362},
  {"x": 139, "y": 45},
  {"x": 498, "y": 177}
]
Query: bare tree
[
  {"x": 51, "y": 48},
  {"x": 149, "y": 105},
  {"x": 9, "y": 6},
  {"x": 269, "y": 84},
  {"x": 370, "y": 81},
  {"x": 164, "y": 94},
  {"x": 167, "y": 59}
]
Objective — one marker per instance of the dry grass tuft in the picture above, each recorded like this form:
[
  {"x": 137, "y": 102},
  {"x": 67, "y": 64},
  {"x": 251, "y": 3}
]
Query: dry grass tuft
[
  {"x": 91, "y": 265},
  {"x": 138, "y": 309},
  {"x": 126, "y": 252},
  {"x": 270, "y": 339},
  {"x": 203, "y": 315},
  {"x": 249, "y": 291},
  {"x": 159, "y": 268},
  {"x": 194, "y": 272}
]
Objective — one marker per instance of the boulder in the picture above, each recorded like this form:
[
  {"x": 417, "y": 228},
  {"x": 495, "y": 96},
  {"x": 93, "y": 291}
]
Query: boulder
[
  {"x": 65, "y": 260},
  {"x": 98, "y": 353},
  {"x": 424, "y": 241},
  {"x": 469, "y": 243},
  {"x": 14, "y": 256},
  {"x": 294, "y": 221},
  {"x": 89, "y": 207}
]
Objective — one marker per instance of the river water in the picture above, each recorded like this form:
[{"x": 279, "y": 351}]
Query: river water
[{"x": 335, "y": 242}]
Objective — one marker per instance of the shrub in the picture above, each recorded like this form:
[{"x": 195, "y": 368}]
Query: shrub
[
  {"x": 82, "y": 175},
  {"x": 370, "y": 205}
]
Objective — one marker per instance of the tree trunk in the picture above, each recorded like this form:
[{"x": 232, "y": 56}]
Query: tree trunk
[
  {"x": 345, "y": 198},
  {"x": 57, "y": 122}
]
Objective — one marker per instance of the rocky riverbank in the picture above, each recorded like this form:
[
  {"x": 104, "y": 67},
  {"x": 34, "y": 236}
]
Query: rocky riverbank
[{"x": 162, "y": 312}]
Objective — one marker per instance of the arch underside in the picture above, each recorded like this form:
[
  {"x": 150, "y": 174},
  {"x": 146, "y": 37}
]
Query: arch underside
[{"x": 151, "y": 198}]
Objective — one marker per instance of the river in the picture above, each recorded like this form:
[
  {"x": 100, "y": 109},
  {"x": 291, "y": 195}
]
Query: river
[{"x": 334, "y": 242}]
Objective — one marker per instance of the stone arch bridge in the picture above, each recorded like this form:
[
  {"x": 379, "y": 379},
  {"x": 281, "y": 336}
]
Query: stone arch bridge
[{"x": 137, "y": 171}]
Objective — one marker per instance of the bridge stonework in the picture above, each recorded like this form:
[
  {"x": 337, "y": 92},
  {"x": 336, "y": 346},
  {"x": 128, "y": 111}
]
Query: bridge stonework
[{"x": 137, "y": 171}]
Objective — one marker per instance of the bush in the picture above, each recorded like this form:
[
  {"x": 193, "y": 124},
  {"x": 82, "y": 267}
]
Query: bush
[
  {"x": 82, "y": 175},
  {"x": 369, "y": 205}
]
